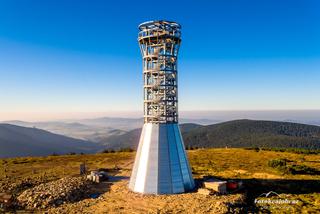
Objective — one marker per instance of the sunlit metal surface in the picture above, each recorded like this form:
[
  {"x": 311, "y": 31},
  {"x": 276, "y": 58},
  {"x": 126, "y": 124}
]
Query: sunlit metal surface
[{"x": 161, "y": 165}]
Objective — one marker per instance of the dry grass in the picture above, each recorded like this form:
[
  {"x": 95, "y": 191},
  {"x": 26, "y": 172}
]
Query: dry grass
[
  {"x": 241, "y": 163},
  {"x": 248, "y": 165},
  {"x": 55, "y": 167}
]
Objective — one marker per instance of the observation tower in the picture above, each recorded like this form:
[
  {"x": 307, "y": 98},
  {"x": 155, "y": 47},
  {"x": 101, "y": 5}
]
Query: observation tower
[{"x": 161, "y": 165}]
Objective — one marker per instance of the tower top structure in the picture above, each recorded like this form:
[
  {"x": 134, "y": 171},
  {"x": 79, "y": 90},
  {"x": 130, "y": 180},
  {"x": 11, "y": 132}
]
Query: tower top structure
[
  {"x": 159, "y": 24},
  {"x": 159, "y": 43}
]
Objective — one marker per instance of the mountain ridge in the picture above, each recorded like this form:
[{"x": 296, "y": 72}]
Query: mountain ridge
[
  {"x": 31, "y": 141},
  {"x": 235, "y": 133},
  {"x": 18, "y": 141}
]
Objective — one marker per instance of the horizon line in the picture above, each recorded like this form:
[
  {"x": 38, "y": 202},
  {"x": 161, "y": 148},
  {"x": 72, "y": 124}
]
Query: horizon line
[{"x": 188, "y": 114}]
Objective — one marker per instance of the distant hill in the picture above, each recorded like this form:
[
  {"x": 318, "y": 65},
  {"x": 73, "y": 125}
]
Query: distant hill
[
  {"x": 125, "y": 124},
  {"x": 237, "y": 133},
  {"x": 22, "y": 141},
  {"x": 128, "y": 124},
  {"x": 96, "y": 129},
  {"x": 88, "y": 132},
  {"x": 254, "y": 133},
  {"x": 131, "y": 138}
]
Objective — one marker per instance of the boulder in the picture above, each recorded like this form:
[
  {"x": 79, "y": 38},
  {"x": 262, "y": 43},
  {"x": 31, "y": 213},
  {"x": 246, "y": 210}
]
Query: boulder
[
  {"x": 216, "y": 185},
  {"x": 204, "y": 191}
]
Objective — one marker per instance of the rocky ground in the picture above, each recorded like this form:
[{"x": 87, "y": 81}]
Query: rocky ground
[
  {"x": 76, "y": 195},
  {"x": 118, "y": 199},
  {"x": 55, "y": 193},
  {"x": 6, "y": 184}
]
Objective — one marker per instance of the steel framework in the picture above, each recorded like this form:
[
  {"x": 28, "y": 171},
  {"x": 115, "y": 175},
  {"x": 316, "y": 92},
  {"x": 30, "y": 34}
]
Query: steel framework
[
  {"x": 159, "y": 44},
  {"x": 161, "y": 165}
]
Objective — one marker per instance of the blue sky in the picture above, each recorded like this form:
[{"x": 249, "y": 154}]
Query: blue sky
[{"x": 82, "y": 56}]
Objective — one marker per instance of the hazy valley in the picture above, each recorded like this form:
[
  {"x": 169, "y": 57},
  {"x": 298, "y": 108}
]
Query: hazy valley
[{"x": 19, "y": 138}]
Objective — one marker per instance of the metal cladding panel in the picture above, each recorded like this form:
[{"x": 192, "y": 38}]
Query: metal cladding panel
[
  {"x": 176, "y": 176},
  {"x": 136, "y": 162},
  {"x": 143, "y": 160},
  {"x": 191, "y": 184},
  {"x": 185, "y": 169},
  {"x": 164, "y": 182},
  {"x": 151, "y": 182}
]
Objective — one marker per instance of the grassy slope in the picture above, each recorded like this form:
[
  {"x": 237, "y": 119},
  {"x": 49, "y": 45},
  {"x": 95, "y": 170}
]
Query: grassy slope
[{"x": 249, "y": 165}]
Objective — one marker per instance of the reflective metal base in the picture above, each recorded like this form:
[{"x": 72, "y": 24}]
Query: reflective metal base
[{"x": 161, "y": 165}]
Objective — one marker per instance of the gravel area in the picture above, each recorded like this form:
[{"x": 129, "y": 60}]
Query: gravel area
[{"x": 55, "y": 193}]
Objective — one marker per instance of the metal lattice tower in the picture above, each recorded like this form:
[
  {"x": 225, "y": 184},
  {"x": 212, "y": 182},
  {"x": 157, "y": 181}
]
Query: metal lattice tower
[
  {"x": 159, "y": 44},
  {"x": 161, "y": 165}
]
